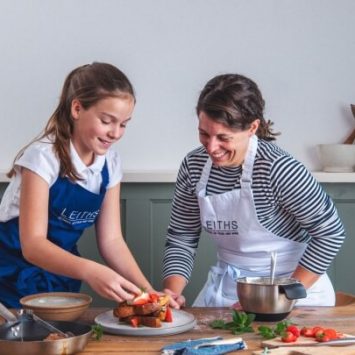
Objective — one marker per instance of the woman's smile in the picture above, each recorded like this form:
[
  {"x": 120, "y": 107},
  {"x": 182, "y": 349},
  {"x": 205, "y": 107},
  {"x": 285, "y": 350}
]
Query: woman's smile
[{"x": 226, "y": 147}]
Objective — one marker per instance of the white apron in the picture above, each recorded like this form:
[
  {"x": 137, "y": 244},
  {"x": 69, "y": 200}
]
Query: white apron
[{"x": 244, "y": 246}]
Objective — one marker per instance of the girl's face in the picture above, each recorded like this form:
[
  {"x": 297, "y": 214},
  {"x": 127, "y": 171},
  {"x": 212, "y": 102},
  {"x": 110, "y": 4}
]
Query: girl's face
[
  {"x": 101, "y": 125},
  {"x": 227, "y": 147}
]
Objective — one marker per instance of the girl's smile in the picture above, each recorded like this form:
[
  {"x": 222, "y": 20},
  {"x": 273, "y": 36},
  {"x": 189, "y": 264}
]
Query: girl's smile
[{"x": 98, "y": 127}]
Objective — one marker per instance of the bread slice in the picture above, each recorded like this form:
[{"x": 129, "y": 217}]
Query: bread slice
[
  {"x": 147, "y": 321},
  {"x": 123, "y": 310},
  {"x": 150, "y": 314},
  {"x": 147, "y": 308}
]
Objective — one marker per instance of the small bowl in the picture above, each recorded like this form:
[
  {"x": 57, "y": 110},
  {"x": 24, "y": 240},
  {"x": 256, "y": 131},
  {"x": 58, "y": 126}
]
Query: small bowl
[
  {"x": 337, "y": 158},
  {"x": 61, "y": 306}
]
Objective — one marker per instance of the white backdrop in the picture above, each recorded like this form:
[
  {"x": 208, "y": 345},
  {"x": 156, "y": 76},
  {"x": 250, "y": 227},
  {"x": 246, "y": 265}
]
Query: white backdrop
[{"x": 301, "y": 53}]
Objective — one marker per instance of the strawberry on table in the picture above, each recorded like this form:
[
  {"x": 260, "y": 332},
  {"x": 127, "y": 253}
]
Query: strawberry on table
[
  {"x": 294, "y": 330},
  {"x": 307, "y": 332},
  {"x": 288, "y": 337}
]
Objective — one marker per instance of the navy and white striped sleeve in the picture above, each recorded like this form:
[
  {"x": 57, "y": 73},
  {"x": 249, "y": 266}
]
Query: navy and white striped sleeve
[
  {"x": 304, "y": 198},
  {"x": 184, "y": 228}
]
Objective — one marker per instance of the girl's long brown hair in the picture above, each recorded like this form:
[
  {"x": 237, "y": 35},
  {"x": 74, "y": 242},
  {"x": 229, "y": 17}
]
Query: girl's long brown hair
[
  {"x": 235, "y": 101},
  {"x": 88, "y": 84}
]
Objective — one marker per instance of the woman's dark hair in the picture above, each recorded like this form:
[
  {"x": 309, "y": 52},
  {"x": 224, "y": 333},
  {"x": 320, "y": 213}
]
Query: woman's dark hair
[
  {"x": 235, "y": 101},
  {"x": 88, "y": 84}
]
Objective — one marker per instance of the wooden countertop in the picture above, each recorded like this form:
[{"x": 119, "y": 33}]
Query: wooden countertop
[{"x": 340, "y": 317}]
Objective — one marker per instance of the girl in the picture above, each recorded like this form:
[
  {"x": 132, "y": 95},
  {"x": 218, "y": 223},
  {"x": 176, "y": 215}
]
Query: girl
[{"x": 63, "y": 182}]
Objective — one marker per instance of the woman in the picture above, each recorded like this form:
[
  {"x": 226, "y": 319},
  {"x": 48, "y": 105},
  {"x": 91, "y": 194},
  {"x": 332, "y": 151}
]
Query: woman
[
  {"x": 253, "y": 198},
  {"x": 63, "y": 182}
]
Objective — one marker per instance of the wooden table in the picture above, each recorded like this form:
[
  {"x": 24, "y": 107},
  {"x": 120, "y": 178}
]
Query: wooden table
[{"x": 340, "y": 317}]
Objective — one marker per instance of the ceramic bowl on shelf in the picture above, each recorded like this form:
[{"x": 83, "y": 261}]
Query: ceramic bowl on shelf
[
  {"x": 58, "y": 306},
  {"x": 337, "y": 158}
]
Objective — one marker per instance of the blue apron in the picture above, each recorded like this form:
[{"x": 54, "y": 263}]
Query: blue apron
[{"x": 71, "y": 210}]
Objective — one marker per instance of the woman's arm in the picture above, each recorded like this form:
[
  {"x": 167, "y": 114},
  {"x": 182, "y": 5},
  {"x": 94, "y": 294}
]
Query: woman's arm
[
  {"x": 307, "y": 278},
  {"x": 38, "y": 250},
  {"x": 303, "y": 198},
  {"x": 182, "y": 236},
  {"x": 111, "y": 243}
]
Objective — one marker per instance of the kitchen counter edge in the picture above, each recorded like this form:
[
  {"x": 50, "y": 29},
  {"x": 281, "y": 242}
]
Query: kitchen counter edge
[{"x": 163, "y": 176}]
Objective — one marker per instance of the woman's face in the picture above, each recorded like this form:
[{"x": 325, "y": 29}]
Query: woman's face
[
  {"x": 100, "y": 126},
  {"x": 227, "y": 147}
]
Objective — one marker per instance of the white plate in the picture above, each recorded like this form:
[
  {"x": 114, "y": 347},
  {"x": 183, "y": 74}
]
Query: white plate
[{"x": 182, "y": 322}]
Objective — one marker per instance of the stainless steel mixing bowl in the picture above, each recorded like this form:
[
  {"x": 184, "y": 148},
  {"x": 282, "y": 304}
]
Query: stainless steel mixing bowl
[{"x": 269, "y": 301}]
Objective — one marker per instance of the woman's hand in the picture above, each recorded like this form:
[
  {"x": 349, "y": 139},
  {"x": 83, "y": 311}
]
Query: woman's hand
[
  {"x": 237, "y": 306},
  {"x": 109, "y": 284},
  {"x": 176, "y": 301}
]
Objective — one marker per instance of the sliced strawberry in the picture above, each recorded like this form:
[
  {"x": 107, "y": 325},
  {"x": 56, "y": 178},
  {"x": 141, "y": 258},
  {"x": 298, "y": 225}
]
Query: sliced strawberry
[
  {"x": 154, "y": 297},
  {"x": 307, "y": 332},
  {"x": 294, "y": 330},
  {"x": 169, "y": 315},
  {"x": 331, "y": 333},
  {"x": 134, "y": 322},
  {"x": 143, "y": 298},
  {"x": 321, "y": 337},
  {"x": 316, "y": 329},
  {"x": 288, "y": 337}
]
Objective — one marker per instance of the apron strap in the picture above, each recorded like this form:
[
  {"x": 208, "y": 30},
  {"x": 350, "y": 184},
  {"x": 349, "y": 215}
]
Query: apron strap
[{"x": 248, "y": 164}]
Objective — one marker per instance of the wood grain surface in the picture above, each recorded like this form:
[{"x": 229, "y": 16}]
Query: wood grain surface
[{"x": 341, "y": 317}]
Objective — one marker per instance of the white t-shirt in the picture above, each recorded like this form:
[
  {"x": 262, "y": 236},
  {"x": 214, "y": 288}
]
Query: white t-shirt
[{"x": 39, "y": 157}]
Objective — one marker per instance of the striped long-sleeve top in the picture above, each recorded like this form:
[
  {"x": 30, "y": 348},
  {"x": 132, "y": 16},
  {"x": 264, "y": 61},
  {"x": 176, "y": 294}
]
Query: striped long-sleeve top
[{"x": 289, "y": 202}]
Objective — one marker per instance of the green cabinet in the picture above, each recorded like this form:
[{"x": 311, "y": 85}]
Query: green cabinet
[
  {"x": 146, "y": 207},
  {"x": 145, "y": 213}
]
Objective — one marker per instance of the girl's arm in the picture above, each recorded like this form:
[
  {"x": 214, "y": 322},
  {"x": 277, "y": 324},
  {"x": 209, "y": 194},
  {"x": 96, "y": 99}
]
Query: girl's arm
[
  {"x": 111, "y": 243},
  {"x": 38, "y": 250}
]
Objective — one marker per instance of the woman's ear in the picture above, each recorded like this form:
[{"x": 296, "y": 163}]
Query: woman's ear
[
  {"x": 254, "y": 126},
  {"x": 75, "y": 108}
]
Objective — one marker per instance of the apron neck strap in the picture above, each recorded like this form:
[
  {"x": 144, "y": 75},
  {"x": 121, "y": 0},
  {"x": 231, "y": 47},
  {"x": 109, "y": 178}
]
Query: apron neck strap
[
  {"x": 205, "y": 174},
  {"x": 248, "y": 164}
]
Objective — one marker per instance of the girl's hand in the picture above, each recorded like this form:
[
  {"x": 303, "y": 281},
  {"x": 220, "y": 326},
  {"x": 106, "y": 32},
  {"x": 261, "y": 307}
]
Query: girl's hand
[
  {"x": 109, "y": 284},
  {"x": 176, "y": 301}
]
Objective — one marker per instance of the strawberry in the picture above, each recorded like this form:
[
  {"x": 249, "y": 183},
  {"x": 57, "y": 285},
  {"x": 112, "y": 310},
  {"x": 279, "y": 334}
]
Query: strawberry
[
  {"x": 321, "y": 337},
  {"x": 143, "y": 298},
  {"x": 288, "y": 337},
  {"x": 331, "y": 333},
  {"x": 326, "y": 335},
  {"x": 294, "y": 330},
  {"x": 134, "y": 322},
  {"x": 307, "y": 332},
  {"x": 316, "y": 329},
  {"x": 153, "y": 297},
  {"x": 169, "y": 315}
]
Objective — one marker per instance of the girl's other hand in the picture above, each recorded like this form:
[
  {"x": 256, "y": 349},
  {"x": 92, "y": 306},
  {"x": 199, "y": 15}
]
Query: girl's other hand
[
  {"x": 109, "y": 284},
  {"x": 176, "y": 301}
]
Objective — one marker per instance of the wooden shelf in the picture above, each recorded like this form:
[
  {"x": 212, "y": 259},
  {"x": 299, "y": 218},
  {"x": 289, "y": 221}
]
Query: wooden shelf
[{"x": 322, "y": 176}]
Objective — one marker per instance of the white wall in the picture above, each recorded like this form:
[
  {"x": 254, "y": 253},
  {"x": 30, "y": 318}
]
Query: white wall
[{"x": 301, "y": 53}]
